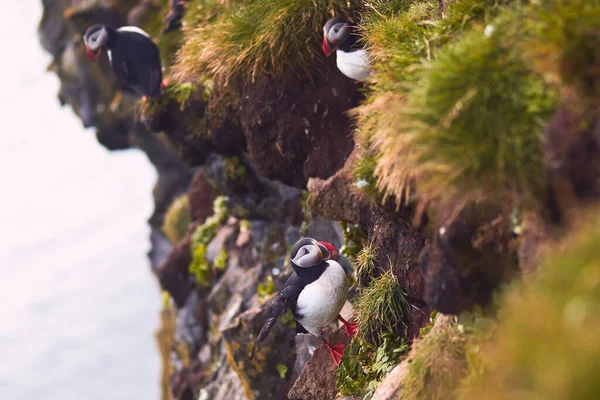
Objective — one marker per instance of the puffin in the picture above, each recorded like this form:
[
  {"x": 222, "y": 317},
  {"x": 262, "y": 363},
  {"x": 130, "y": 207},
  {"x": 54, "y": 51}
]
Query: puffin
[
  {"x": 133, "y": 56},
  {"x": 173, "y": 20},
  {"x": 352, "y": 60},
  {"x": 315, "y": 292}
]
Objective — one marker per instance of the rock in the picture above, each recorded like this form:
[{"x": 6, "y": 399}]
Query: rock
[
  {"x": 317, "y": 381},
  {"x": 391, "y": 386},
  {"x": 470, "y": 256},
  {"x": 572, "y": 159},
  {"x": 173, "y": 273},
  {"x": 226, "y": 386},
  {"x": 227, "y": 233},
  {"x": 189, "y": 327},
  {"x": 259, "y": 377},
  {"x": 160, "y": 249},
  {"x": 233, "y": 309},
  {"x": 325, "y": 230},
  {"x": 304, "y": 132},
  {"x": 201, "y": 197}
]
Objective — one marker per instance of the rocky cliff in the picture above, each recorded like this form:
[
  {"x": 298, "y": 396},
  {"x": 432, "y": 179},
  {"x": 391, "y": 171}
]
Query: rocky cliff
[{"x": 472, "y": 149}]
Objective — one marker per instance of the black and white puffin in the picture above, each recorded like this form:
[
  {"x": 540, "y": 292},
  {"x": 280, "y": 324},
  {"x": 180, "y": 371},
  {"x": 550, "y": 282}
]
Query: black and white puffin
[
  {"x": 315, "y": 292},
  {"x": 133, "y": 56},
  {"x": 352, "y": 60}
]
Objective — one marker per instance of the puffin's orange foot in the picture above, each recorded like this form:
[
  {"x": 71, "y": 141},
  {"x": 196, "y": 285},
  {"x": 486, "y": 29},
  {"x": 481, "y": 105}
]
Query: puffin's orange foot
[
  {"x": 337, "y": 351},
  {"x": 144, "y": 99},
  {"x": 351, "y": 327},
  {"x": 164, "y": 83}
]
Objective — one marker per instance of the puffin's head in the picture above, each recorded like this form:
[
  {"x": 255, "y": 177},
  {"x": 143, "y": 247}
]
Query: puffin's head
[
  {"x": 335, "y": 32},
  {"x": 95, "y": 38},
  {"x": 308, "y": 252}
]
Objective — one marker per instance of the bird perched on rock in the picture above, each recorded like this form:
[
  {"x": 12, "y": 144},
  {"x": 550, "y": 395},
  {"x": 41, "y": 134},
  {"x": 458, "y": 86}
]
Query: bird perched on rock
[
  {"x": 315, "y": 292},
  {"x": 352, "y": 60},
  {"x": 173, "y": 20},
  {"x": 133, "y": 56}
]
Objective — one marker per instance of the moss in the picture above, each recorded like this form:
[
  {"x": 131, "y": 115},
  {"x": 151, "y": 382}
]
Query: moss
[
  {"x": 177, "y": 219},
  {"x": 282, "y": 369},
  {"x": 254, "y": 39},
  {"x": 382, "y": 307},
  {"x": 266, "y": 289},
  {"x": 288, "y": 319},
  {"x": 234, "y": 169},
  {"x": 437, "y": 364},
  {"x": 364, "y": 365},
  {"x": 546, "y": 345},
  {"x": 199, "y": 268},
  {"x": 221, "y": 260},
  {"x": 206, "y": 232}
]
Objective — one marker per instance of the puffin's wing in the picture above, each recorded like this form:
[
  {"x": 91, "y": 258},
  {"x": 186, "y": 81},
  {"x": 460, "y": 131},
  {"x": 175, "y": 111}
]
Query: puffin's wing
[
  {"x": 155, "y": 78},
  {"x": 277, "y": 307}
]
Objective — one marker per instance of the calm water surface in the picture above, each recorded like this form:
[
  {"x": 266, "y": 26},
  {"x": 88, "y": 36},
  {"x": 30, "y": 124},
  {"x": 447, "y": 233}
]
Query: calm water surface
[{"x": 79, "y": 303}]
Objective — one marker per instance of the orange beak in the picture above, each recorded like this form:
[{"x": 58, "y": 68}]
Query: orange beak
[
  {"x": 92, "y": 55},
  {"x": 326, "y": 49}
]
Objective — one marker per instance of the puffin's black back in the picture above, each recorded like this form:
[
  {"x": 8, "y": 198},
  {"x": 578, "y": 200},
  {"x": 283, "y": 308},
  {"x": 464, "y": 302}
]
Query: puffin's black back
[
  {"x": 136, "y": 62},
  {"x": 352, "y": 43}
]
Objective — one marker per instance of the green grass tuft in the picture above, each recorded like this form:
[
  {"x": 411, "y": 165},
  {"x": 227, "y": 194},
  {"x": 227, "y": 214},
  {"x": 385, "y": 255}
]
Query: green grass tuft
[
  {"x": 177, "y": 219},
  {"x": 365, "y": 264},
  {"x": 260, "y": 38},
  {"x": 382, "y": 307}
]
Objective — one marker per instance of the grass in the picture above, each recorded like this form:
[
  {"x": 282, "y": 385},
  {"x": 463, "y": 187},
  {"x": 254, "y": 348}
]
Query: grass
[
  {"x": 382, "y": 307},
  {"x": 365, "y": 264},
  {"x": 278, "y": 39},
  {"x": 364, "y": 365},
  {"x": 546, "y": 345},
  {"x": 468, "y": 121},
  {"x": 177, "y": 219},
  {"x": 437, "y": 364}
]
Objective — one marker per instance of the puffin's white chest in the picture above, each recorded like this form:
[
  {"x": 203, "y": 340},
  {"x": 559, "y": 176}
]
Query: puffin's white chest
[
  {"x": 320, "y": 302},
  {"x": 355, "y": 65}
]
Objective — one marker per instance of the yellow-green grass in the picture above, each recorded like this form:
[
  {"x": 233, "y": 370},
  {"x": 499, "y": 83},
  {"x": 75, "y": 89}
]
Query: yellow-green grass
[
  {"x": 278, "y": 39},
  {"x": 468, "y": 122}
]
